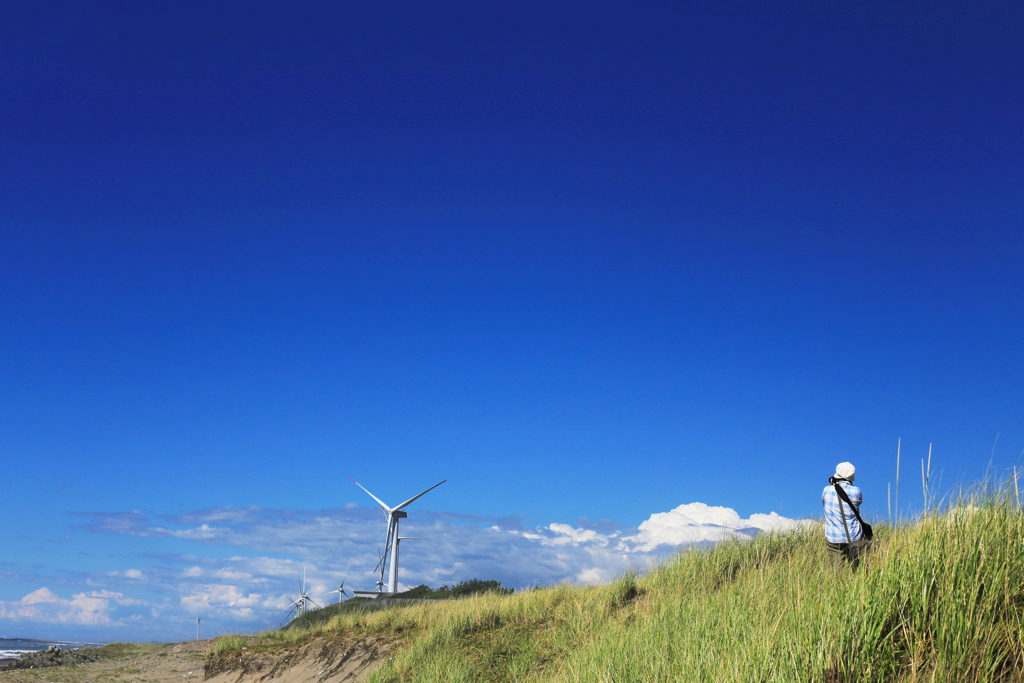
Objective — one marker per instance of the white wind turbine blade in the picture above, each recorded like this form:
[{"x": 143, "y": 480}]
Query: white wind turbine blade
[
  {"x": 345, "y": 575},
  {"x": 414, "y": 497},
  {"x": 383, "y": 558},
  {"x": 386, "y": 508}
]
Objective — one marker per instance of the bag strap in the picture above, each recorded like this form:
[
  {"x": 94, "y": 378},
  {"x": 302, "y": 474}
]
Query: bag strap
[
  {"x": 842, "y": 516},
  {"x": 842, "y": 494}
]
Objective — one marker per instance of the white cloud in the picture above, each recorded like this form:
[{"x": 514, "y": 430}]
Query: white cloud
[
  {"x": 215, "y": 597},
  {"x": 696, "y": 522},
  {"x": 43, "y": 605},
  {"x": 202, "y": 533},
  {"x": 41, "y": 595},
  {"x": 232, "y": 575},
  {"x": 567, "y": 534}
]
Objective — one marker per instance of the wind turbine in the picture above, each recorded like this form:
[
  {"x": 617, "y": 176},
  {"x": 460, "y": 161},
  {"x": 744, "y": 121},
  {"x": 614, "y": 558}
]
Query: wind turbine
[
  {"x": 301, "y": 605},
  {"x": 341, "y": 589},
  {"x": 393, "y": 515}
]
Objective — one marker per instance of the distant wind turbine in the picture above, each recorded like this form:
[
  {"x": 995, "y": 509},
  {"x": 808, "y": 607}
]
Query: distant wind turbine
[
  {"x": 341, "y": 589},
  {"x": 301, "y": 604}
]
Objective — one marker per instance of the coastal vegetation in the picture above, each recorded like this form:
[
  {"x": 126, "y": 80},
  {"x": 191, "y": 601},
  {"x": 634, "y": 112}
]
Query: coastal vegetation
[
  {"x": 462, "y": 589},
  {"x": 939, "y": 598}
]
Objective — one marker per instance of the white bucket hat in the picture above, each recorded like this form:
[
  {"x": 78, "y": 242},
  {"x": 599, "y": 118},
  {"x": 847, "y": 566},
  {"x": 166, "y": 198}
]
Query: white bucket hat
[{"x": 845, "y": 470}]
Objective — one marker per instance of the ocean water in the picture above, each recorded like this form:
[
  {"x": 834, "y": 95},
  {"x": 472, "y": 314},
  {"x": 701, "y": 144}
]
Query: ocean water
[{"x": 14, "y": 648}]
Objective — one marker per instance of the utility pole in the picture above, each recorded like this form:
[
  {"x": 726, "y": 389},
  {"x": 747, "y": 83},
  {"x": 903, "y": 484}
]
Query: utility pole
[{"x": 197, "y": 628}]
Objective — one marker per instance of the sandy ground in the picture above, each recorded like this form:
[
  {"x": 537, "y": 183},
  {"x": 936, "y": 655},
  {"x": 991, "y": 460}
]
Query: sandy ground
[{"x": 320, "y": 661}]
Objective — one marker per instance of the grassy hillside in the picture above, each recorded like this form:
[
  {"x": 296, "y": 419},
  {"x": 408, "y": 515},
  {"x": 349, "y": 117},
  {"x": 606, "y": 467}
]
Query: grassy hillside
[{"x": 938, "y": 599}]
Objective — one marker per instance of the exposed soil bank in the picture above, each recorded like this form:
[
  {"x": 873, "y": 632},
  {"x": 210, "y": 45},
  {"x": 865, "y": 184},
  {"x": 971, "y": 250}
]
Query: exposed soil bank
[{"x": 322, "y": 661}]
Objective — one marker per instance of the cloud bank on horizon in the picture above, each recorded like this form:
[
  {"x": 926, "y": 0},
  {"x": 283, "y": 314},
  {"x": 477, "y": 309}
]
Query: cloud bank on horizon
[{"x": 246, "y": 591}]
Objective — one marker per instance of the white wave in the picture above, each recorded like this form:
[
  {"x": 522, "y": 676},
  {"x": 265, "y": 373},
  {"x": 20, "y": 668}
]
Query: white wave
[{"x": 14, "y": 654}]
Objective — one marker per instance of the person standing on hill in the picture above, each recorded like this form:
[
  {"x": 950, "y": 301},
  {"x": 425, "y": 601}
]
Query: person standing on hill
[{"x": 844, "y": 534}]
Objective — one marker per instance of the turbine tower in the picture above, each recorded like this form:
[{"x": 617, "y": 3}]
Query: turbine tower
[
  {"x": 391, "y": 541},
  {"x": 395, "y": 556}
]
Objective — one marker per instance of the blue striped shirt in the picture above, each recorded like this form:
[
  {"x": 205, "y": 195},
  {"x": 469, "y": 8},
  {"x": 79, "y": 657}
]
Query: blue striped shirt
[{"x": 834, "y": 531}]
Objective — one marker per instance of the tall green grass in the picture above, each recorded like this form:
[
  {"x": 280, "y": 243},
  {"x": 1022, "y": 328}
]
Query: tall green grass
[{"x": 939, "y": 598}]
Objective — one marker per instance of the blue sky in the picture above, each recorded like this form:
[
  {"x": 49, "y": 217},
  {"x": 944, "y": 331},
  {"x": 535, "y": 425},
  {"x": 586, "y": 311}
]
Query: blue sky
[{"x": 590, "y": 263}]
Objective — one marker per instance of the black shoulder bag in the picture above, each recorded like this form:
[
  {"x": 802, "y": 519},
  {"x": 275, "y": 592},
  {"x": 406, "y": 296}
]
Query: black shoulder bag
[{"x": 868, "y": 533}]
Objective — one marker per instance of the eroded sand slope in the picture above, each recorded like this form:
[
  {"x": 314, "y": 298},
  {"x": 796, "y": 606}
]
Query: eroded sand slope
[{"x": 323, "y": 661}]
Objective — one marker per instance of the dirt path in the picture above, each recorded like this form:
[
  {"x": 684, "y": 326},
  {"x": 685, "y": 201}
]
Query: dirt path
[{"x": 320, "y": 661}]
